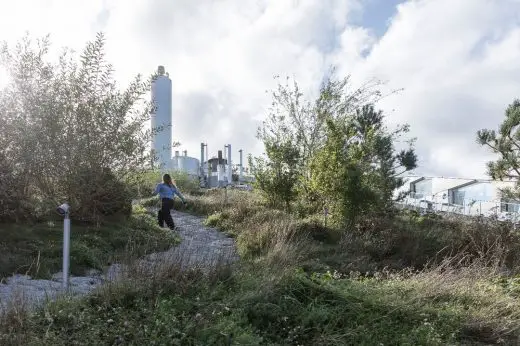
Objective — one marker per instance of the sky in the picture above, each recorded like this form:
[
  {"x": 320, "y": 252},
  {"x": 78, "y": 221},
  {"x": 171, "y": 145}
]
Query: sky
[{"x": 456, "y": 61}]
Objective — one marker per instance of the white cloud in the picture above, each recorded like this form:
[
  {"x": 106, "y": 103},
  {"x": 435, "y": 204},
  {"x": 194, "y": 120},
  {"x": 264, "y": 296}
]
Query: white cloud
[{"x": 459, "y": 61}]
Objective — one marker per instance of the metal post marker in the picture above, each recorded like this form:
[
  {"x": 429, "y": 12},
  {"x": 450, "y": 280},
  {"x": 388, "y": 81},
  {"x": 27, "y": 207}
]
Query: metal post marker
[
  {"x": 64, "y": 211},
  {"x": 66, "y": 250}
]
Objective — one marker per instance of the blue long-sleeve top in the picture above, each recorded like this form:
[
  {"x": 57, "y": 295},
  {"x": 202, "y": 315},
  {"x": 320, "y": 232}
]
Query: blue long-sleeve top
[{"x": 167, "y": 191}]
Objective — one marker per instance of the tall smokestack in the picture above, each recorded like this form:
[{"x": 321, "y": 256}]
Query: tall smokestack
[
  {"x": 161, "y": 117},
  {"x": 220, "y": 169},
  {"x": 229, "y": 167},
  {"x": 241, "y": 169},
  {"x": 202, "y": 160},
  {"x": 209, "y": 171}
]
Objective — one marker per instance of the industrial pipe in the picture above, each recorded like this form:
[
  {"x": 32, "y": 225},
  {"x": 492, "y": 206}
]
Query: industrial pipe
[
  {"x": 202, "y": 160},
  {"x": 229, "y": 170}
]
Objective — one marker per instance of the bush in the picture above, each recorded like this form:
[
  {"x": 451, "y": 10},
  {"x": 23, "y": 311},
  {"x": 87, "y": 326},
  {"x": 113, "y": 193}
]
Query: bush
[
  {"x": 99, "y": 194},
  {"x": 75, "y": 137},
  {"x": 12, "y": 194}
]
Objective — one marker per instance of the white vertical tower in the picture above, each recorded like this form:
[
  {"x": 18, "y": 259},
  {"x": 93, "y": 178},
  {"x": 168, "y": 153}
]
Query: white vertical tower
[
  {"x": 202, "y": 175},
  {"x": 161, "y": 118},
  {"x": 229, "y": 166},
  {"x": 241, "y": 169}
]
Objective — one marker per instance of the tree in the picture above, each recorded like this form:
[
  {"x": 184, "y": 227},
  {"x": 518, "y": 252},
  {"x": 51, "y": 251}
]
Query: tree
[
  {"x": 69, "y": 130},
  {"x": 358, "y": 168},
  {"x": 386, "y": 164},
  {"x": 291, "y": 117},
  {"x": 276, "y": 177},
  {"x": 506, "y": 143},
  {"x": 296, "y": 127},
  {"x": 334, "y": 151}
]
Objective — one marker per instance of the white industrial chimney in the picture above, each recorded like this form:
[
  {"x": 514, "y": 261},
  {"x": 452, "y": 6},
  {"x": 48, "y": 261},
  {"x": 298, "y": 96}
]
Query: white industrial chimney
[
  {"x": 241, "y": 169},
  {"x": 161, "y": 118},
  {"x": 202, "y": 160},
  {"x": 229, "y": 167},
  {"x": 220, "y": 169}
]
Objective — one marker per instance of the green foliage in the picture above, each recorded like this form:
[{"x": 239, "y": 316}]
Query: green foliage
[
  {"x": 68, "y": 132},
  {"x": 506, "y": 143},
  {"x": 386, "y": 282},
  {"x": 334, "y": 153},
  {"x": 276, "y": 177},
  {"x": 329, "y": 310},
  {"x": 258, "y": 308},
  {"x": 12, "y": 194},
  {"x": 356, "y": 170}
]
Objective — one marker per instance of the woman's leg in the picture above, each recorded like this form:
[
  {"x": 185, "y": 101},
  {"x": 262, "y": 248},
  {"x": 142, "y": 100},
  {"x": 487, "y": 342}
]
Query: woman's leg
[
  {"x": 166, "y": 212},
  {"x": 160, "y": 218}
]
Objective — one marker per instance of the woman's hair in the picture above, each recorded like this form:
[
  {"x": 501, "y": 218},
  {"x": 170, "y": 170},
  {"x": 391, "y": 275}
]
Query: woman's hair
[{"x": 167, "y": 179}]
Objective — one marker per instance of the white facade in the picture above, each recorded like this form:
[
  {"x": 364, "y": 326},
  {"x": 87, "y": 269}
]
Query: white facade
[
  {"x": 434, "y": 189},
  {"x": 457, "y": 195},
  {"x": 482, "y": 197},
  {"x": 161, "y": 119}
]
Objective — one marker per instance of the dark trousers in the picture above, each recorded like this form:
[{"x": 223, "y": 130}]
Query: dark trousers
[{"x": 164, "y": 214}]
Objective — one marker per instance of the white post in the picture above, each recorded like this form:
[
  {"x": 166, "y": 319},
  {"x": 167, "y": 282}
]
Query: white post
[
  {"x": 208, "y": 173},
  {"x": 66, "y": 250}
]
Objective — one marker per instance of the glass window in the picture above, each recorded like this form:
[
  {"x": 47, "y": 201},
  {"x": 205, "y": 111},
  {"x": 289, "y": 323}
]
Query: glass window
[
  {"x": 475, "y": 192},
  {"x": 422, "y": 188},
  {"x": 510, "y": 206}
]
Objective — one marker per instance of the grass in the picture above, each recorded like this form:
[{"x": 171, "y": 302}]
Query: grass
[
  {"x": 256, "y": 306},
  {"x": 404, "y": 281},
  {"x": 36, "y": 249}
]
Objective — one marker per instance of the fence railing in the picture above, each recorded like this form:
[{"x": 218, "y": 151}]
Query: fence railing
[{"x": 503, "y": 211}]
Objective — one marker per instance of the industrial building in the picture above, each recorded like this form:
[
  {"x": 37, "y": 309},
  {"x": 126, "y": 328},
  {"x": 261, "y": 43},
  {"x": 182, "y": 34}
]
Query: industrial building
[
  {"x": 459, "y": 195},
  {"x": 218, "y": 171},
  {"x": 215, "y": 171},
  {"x": 186, "y": 164}
]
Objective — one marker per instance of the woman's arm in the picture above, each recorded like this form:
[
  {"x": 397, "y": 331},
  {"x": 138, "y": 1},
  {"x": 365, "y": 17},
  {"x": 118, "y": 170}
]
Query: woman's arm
[
  {"x": 157, "y": 189},
  {"x": 178, "y": 193}
]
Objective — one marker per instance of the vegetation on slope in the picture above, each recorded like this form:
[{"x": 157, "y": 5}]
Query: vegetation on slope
[
  {"x": 302, "y": 288},
  {"x": 36, "y": 249}
]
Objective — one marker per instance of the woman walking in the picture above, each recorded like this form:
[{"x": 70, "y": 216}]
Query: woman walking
[{"x": 167, "y": 191}]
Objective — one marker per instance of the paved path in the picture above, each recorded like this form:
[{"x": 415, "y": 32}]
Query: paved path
[{"x": 201, "y": 246}]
